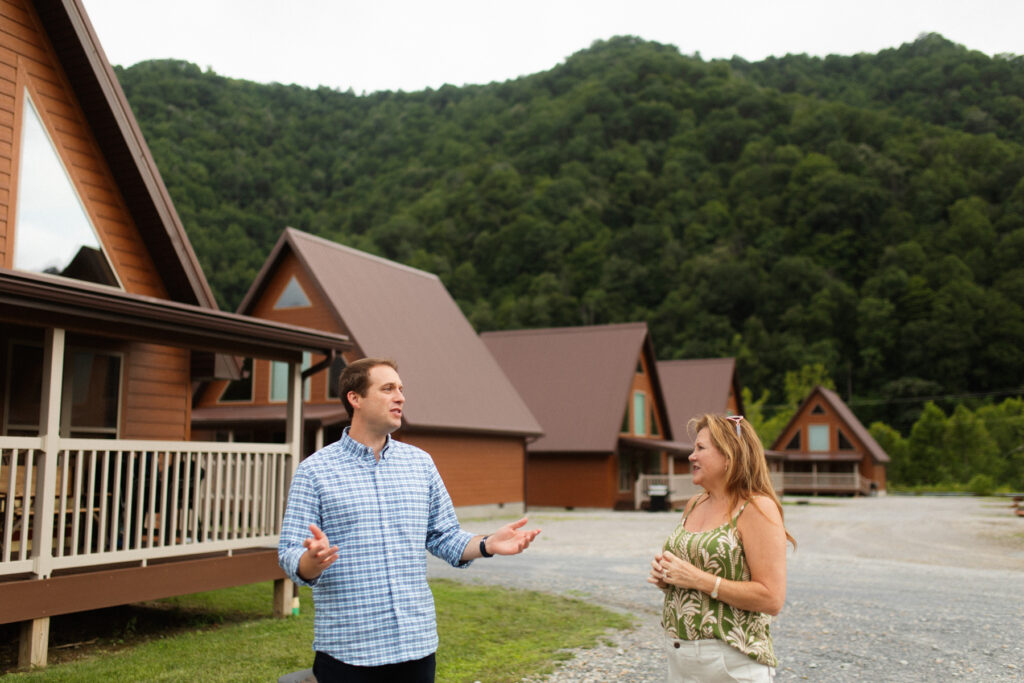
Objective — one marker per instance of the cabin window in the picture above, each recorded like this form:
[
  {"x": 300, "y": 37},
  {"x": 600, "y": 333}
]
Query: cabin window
[
  {"x": 293, "y": 296},
  {"x": 817, "y": 438},
  {"x": 639, "y": 413},
  {"x": 794, "y": 443},
  {"x": 654, "y": 423},
  {"x": 91, "y": 392},
  {"x": 844, "y": 443},
  {"x": 334, "y": 377},
  {"x": 24, "y": 389},
  {"x": 239, "y": 389},
  {"x": 817, "y": 410},
  {"x": 639, "y": 366},
  {"x": 95, "y": 387},
  {"x": 52, "y": 231},
  {"x": 279, "y": 378}
]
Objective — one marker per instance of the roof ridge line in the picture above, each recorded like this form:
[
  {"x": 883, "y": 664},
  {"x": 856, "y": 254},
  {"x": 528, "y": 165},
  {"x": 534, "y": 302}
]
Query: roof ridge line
[{"x": 362, "y": 254}]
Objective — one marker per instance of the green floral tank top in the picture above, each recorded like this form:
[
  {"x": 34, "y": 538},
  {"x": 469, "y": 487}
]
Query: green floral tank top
[{"x": 690, "y": 614}]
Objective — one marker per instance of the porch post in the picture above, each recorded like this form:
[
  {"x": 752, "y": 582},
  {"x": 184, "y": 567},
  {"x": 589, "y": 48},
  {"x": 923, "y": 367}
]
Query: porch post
[
  {"x": 293, "y": 420},
  {"x": 284, "y": 589},
  {"x": 35, "y": 634},
  {"x": 49, "y": 430},
  {"x": 33, "y": 642}
]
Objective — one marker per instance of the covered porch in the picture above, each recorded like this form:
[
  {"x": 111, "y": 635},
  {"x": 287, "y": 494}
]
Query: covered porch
[
  {"x": 833, "y": 473},
  {"x": 89, "y": 519}
]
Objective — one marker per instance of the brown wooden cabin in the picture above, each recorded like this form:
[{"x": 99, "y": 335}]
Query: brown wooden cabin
[
  {"x": 696, "y": 387},
  {"x": 106, "y": 322},
  {"x": 596, "y": 392},
  {"x": 460, "y": 406},
  {"x": 828, "y": 450}
]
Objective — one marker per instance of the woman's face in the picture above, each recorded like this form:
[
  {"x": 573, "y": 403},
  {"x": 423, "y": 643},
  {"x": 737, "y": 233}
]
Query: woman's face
[{"x": 707, "y": 464}]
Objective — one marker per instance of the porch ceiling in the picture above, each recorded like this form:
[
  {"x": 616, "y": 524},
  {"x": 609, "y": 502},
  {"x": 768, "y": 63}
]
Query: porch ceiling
[
  {"x": 50, "y": 301},
  {"x": 248, "y": 415}
]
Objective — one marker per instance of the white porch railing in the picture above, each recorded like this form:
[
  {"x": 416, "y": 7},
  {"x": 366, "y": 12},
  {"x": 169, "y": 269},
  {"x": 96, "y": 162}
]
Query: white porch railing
[
  {"x": 132, "y": 501},
  {"x": 680, "y": 487},
  {"x": 831, "y": 482}
]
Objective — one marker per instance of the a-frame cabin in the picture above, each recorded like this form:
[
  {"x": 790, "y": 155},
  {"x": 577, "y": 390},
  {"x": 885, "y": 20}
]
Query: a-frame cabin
[{"x": 106, "y": 324}]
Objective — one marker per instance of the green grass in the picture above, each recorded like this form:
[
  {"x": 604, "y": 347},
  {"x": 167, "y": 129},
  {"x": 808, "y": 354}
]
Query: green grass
[{"x": 486, "y": 634}]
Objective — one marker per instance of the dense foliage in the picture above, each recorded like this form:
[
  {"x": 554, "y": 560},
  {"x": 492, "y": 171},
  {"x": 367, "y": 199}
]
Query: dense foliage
[{"x": 864, "y": 213}]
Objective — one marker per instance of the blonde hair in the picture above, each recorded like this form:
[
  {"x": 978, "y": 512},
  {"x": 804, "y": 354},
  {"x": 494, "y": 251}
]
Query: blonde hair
[{"x": 746, "y": 468}]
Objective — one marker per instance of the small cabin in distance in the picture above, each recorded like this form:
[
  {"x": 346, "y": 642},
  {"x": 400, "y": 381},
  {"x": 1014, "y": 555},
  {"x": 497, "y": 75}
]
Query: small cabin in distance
[{"x": 826, "y": 449}]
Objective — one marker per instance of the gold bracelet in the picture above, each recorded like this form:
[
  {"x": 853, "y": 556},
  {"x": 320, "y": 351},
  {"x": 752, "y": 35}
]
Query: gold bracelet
[{"x": 714, "y": 591}]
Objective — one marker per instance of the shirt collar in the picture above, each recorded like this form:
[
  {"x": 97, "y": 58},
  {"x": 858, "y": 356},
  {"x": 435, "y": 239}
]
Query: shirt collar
[{"x": 362, "y": 451}]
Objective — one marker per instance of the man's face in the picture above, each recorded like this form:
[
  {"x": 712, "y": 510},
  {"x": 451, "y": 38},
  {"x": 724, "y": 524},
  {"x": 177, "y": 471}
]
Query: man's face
[{"x": 381, "y": 409}]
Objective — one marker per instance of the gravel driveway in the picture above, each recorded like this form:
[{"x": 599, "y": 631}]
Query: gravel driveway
[{"x": 891, "y": 588}]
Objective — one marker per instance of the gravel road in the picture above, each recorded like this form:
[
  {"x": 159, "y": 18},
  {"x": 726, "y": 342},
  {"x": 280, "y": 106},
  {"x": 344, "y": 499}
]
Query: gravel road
[{"x": 891, "y": 588}]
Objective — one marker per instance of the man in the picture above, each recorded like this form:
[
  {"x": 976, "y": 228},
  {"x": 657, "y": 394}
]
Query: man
[{"x": 360, "y": 513}]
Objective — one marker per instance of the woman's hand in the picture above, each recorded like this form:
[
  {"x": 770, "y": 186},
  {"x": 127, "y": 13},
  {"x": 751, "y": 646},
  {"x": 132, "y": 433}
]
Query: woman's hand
[
  {"x": 655, "y": 576},
  {"x": 675, "y": 571}
]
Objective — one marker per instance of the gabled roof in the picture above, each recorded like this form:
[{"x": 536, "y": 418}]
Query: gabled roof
[
  {"x": 576, "y": 380},
  {"x": 695, "y": 387},
  {"x": 394, "y": 311},
  {"x": 117, "y": 132},
  {"x": 844, "y": 413}
]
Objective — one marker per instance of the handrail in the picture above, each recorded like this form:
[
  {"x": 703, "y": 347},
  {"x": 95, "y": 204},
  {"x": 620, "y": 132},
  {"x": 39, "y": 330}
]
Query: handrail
[{"x": 136, "y": 500}]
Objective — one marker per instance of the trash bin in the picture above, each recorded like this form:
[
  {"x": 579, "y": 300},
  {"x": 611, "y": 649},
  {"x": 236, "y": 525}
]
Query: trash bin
[{"x": 659, "y": 497}]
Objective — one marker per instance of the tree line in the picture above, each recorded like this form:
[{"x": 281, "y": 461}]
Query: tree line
[{"x": 863, "y": 213}]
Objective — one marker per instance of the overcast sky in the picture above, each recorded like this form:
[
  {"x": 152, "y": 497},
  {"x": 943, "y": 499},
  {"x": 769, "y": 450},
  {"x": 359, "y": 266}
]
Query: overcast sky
[{"x": 409, "y": 45}]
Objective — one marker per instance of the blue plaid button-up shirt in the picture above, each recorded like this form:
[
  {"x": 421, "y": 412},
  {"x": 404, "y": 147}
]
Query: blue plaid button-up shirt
[{"x": 373, "y": 605}]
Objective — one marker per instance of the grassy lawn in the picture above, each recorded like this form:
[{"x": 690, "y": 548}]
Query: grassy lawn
[{"x": 487, "y": 634}]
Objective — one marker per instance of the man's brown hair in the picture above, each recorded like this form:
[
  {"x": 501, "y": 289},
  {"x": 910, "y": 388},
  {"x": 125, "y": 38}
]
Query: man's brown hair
[{"x": 356, "y": 377}]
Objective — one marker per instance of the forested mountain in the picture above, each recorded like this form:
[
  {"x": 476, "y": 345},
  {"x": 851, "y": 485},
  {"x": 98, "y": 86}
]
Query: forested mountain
[{"x": 865, "y": 213}]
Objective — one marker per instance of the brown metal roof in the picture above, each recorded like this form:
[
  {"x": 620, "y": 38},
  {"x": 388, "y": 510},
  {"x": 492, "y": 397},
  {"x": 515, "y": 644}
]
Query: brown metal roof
[
  {"x": 106, "y": 311},
  {"x": 394, "y": 311},
  {"x": 695, "y": 387},
  {"x": 576, "y": 380},
  {"x": 110, "y": 117},
  {"x": 846, "y": 415}
]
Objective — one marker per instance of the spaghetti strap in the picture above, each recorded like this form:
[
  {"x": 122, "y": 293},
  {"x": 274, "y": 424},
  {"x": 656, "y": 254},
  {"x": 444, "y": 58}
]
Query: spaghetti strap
[
  {"x": 736, "y": 519},
  {"x": 697, "y": 501}
]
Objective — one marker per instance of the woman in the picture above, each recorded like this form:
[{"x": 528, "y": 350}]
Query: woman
[{"x": 723, "y": 569}]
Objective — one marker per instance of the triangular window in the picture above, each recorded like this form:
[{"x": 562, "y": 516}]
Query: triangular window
[
  {"x": 818, "y": 410},
  {"x": 794, "y": 443},
  {"x": 293, "y": 296},
  {"x": 844, "y": 443},
  {"x": 53, "y": 233},
  {"x": 654, "y": 423}
]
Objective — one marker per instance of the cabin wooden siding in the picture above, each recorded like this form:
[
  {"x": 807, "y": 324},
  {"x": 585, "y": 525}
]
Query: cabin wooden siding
[
  {"x": 315, "y": 316},
  {"x": 584, "y": 480},
  {"x": 27, "y": 61},
  {"x": 156, "y": 397},
  {"x": 476, "y": 469}
]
